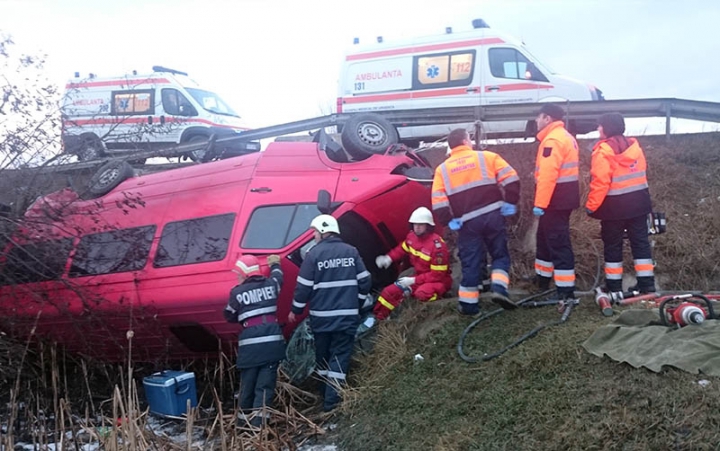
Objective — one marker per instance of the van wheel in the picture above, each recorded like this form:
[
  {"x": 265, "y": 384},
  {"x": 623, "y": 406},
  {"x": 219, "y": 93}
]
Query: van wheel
[
  {"x": 367, "y": 134},
  {"x": 197, "y": 155},
  {"x": 89, "y": 148},
  {"x": 108, "y": 177}
]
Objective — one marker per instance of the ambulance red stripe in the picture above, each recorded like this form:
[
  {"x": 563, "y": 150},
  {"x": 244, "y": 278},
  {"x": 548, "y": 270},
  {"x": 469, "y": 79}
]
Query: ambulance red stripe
[
  {"x": 124, "y": 82},
  {"x": 140, "y": 120}
]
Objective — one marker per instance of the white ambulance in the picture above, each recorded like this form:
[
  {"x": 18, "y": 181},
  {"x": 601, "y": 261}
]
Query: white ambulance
[
  {"x": 473, "y": 68},
  {"x": 145, "y": 112}
]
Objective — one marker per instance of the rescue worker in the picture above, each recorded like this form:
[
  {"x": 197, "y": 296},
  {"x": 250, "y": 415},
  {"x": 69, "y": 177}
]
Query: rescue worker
[
  {"x": 620, "y": 199},
  {"x": 557, "y": 194},
  {"x": 466, "y": 195},
  {"x": 429, "y": 257},
  {"x": 261, "y": 346},
  {"x": 334, "y": 282}
]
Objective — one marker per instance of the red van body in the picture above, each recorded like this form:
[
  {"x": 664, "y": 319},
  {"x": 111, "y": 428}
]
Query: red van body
[{"x": 154, "y": 256}]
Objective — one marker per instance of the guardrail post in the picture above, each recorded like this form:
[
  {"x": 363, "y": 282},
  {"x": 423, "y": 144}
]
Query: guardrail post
[{"x": 668, "y": 116}]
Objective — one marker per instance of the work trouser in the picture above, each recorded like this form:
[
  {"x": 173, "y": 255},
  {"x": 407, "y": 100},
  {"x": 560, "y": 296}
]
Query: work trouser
[
  {"x": 392, "y": 296},
  {"x": 554, "y": 256},
  {"x": 612, "y": 232},
  {"x": 257, "y": 388},
  {"x": 478, "y": 236},
  {"x": 333, "y": 351}
]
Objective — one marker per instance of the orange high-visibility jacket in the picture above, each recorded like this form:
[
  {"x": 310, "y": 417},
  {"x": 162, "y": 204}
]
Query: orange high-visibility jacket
[
  {"x": 556, "y": 169},
  {"x": 467, "y": 185},
  {"x": 618, "y": 185}
]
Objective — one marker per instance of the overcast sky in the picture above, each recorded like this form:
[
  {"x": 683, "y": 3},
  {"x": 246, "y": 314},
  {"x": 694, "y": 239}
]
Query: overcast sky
[{"x": 277, "y": 61}]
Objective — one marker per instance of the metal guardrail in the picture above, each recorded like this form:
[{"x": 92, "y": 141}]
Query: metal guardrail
[{"x": 586, "y": 110}]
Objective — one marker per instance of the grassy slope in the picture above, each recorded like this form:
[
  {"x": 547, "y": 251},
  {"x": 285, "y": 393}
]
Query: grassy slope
[{"x": 549, "y": 393}]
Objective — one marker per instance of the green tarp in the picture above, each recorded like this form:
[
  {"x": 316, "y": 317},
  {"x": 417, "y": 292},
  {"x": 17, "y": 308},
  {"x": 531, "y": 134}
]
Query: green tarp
[{"x": 633, "y": 339}]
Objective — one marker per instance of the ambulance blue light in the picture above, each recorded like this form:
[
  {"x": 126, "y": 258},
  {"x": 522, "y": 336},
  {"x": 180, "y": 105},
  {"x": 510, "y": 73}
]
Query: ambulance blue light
[
  {"x": 379, "y": 39},
  {"x": 77, "y": 74},
  {"x": 356, "y": 40},
  {"x": 448, "y": 30}
]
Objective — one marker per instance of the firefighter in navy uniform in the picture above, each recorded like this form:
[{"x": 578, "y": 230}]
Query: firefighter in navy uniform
[
  {"x": 428, "y": 255},
  {"x": 261, "y": 345},
  {"x": 557, "y": 194},
  {"x": 334, "y": 282},
  {"x": 620, "y": 199}
]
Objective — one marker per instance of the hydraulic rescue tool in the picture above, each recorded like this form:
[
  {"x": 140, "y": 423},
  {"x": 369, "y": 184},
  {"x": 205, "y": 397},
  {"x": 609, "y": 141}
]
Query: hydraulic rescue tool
[{"x": 686, "y": 309}]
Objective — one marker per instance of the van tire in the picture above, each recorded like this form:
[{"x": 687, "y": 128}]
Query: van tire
[
  {"x": 367, "y": 134},
  {"x": 108, "y": 177},
  {"x": 89, "y": 147}
]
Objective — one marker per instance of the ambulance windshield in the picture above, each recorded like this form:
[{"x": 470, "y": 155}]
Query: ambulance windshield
[{"x": 211, "y": 102}]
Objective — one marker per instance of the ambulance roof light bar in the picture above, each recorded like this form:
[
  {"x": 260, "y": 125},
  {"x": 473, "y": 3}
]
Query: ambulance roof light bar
[
  {"x": 479, "y": 23},
  {"x": 170, "y": 71}
]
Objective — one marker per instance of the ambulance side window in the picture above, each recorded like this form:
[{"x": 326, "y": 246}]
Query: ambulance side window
[
  {"x": 176, "y": 104},
  {"x": 509, "y": 63},
  {"x": 439, "y": 70},
  {"x": 128, "y": 103},
  {"x": 194, "y": 241}
]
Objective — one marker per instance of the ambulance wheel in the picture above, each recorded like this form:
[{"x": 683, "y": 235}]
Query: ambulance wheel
[
  {"x": 367, "y": 134},
  {"x": 89, "y": 148},
  {"x": 197, "y": 155},
  {"x": 108, "y": 177}
]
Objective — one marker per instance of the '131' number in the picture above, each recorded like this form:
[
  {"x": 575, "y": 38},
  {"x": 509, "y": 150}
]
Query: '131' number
[{"x": 360, "y": 86}]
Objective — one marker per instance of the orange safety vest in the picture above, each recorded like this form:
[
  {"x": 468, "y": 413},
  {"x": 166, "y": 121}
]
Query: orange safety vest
[
  {"x": 618, "y": 185},
  {"x": 556, "y": 169},
  {"x": 467, "y": 185}
]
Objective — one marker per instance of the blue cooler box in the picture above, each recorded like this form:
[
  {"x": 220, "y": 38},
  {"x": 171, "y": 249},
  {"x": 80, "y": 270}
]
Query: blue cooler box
[{"x": 167, "y": 392}]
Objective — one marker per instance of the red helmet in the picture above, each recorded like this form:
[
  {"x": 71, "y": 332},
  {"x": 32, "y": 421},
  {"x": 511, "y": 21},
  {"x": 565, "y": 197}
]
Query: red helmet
[{"x": 248, "y": 266}]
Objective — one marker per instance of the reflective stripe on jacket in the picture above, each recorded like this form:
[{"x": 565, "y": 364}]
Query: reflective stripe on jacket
[
  {"x": 467, "y": 185},
  {"x": 618, "y": 185},
  {"x": 257, "y": 296},
  {"x": 556, "y": 169},
  {"x": 334, "y": 282},
  {"x": 428, "y": 255}
]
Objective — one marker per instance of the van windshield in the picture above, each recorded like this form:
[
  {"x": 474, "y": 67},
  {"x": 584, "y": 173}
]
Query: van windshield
[{"x": 211, "y": 102}]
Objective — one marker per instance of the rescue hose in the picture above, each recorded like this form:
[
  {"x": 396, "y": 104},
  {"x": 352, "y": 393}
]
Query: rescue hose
[
  {"x": 489, "y": 315},
  {"x": 565, "y": 315}
]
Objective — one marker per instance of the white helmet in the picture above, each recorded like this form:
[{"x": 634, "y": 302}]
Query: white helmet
[
  {"x": 421, "y": 216},
  {"x": 325, "y": 224}
]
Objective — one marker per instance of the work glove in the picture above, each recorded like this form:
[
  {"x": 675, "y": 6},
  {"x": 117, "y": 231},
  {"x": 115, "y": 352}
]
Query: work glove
[
  {"x": 455, "y": 224},
  {"x": 537, "y": 211},
  {"x": 383, "y": 261},
  {"x": 273, "y": 260},
  {"x": 588, "y": 211},
  {"x": 508, "y": 209},
  {"x": 406, "y": 282}
]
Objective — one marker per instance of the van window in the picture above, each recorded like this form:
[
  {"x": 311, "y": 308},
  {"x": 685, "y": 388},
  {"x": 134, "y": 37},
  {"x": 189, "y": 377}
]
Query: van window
[
  {"x": 194, "y": 241},
  {"x": 444, "y": 69},
  {"x": 125, "y": 103},
  {"x": 36, "y": 262},
  {"x": 277, "y": 226},
  {"x": 111, "y": 252},
  {"x": 176, "y": 104},
  {"x": 509, "y": 63}
]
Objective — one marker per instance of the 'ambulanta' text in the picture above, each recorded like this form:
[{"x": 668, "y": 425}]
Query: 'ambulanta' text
[{"x": 395, "y": 73}]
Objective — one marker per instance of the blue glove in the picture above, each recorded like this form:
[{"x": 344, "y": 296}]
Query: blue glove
[
  {"x": 537, "y": 211},
  {"x": 455, "y": 224},
  {"x": 588, "y": 211},
  {"x": 508, "y": 209}
]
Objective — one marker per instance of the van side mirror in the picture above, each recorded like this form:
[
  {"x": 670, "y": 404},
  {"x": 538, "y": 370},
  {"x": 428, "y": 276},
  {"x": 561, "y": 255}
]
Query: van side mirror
[{"x": 324, "y": 202}]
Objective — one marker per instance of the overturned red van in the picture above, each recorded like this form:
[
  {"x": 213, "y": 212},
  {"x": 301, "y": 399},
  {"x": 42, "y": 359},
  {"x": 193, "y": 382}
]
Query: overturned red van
[{"x": 154, "y": 255}]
